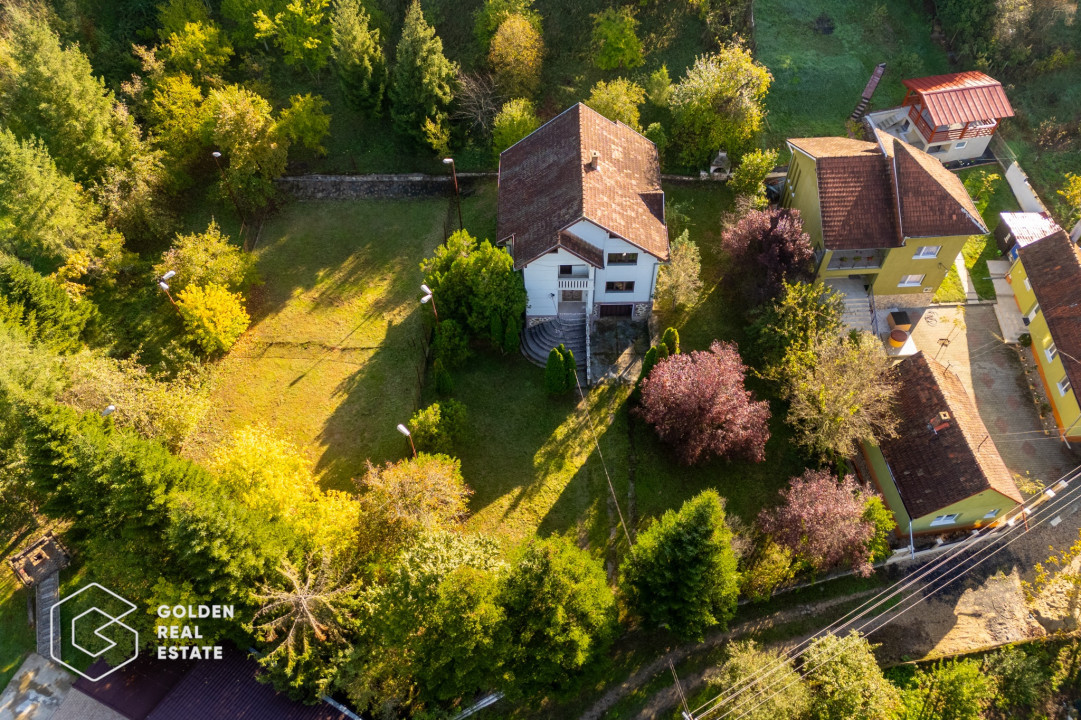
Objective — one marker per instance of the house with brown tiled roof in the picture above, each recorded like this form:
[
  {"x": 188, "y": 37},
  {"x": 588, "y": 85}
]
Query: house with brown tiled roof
[
  {"x": 582, "y": 212},
  {"x": 882, "y": 212},
  {"x": 951, "y": 117},
  {"x": 942, "y": 472},
  {"x": 1046, "y": 281}
]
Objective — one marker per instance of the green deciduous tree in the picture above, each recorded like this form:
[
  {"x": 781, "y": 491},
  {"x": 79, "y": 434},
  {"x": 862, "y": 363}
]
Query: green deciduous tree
[
  {"x": 560, "y": 614},
  {"x": 770, "y": 689},
  {"x": 492, "y": 13},
  {"x": 208, "y": 257},
  {"x": 439, "y": 427},
  {"x": 846, "y": 682},
  {"x": 618, "y": 100},
  {"x": 213, "y": 316},
  {"x": 844, "y": 399},
  {"x": 881, "y": 519},
  {"x": 718, "y": 104},
  {"x": 305, "y": 121},
  {"x": 1071, "y": 192},
  {"x": 615, "y": 39},
  {"x": 659, "y": 87},
  {"x": 785, "y": 331},
  {"x": 516, "y": 119},
  {"x": 516, "y": 54},
  {"x": 46, "y": 218},
  {"x": 358, "y": 53},
  {"x": 241, "y": 127},
  {"x": 178, "y": 116},
  {"x": 199, "y": 49},
  {"x": 769, "y": 566},
  {"x": 422, "y": 82},
  {"x": 748, "y": 179},
  {"x": 301, "y": 30},
  {"x": 955, "y": 690},
  {"x": 679, "y": 282},
  {"x": 682, "y": 573}
]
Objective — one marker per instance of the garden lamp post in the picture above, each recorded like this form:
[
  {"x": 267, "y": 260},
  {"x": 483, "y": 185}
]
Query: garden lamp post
[
  {"x": 429, "y": 297},
  {"x": 405, "y": 431},
  {"x": 164, "y": 285},
  {"x": 228, "y": 186},
  {"x": 108, "y": 411},
  {"x": 457, "y": 193}
]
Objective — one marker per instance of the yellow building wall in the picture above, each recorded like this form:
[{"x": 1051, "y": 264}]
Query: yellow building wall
[
  {"x": 801, "y": 193},
  {"x": 1065, "y": 407}
]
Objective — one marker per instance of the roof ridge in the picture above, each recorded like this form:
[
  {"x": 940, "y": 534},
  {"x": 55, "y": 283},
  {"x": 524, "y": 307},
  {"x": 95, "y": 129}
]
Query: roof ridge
[{"x": 939, "y": 185}]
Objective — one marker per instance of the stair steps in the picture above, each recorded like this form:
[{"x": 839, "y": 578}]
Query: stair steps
[{"x": 570, "y": 330}]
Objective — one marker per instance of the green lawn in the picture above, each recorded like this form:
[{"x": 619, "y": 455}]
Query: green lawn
[
  {"x": 334, "y": 354},
  {"x": 818, "y": 77},
  {"x": 16, "y": 636}
]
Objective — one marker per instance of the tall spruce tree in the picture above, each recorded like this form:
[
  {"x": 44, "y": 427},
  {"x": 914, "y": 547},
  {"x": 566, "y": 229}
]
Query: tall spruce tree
[
  {"x": 423, "y": 79},
  {"x": 555, "y": 375},
  {"x": 359, "y": 56}
]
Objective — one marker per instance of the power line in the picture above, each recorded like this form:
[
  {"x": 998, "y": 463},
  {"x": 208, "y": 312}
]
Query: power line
[{"x": 894, "y": 590}]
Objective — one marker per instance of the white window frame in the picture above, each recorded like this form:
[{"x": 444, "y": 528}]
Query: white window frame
[
  {"x": 1051, "y": 351},
  {"x": 1028, "y": 285},
  {"x": 907, "y": 282},
  {"x": 950, "y": 519},
  {"x": 1033, "y": 312},
  {"x": 921, "y": 255},
  {"x": 960, "y": 145},
  {"x": 993, "y": 514},
  {"x": 1063, "y": 386}
]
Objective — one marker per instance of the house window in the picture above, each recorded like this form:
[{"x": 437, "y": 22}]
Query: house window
[
  {"x": 1064, "y": 386},
  {"x": 911, "y": 281},
  {"x": 622, "y": 258},
  {"x": 566, "y": 270},
  {"x": 1028, "y": 285},
  {"x": 945, "y": 519},
  {"x": 960, "y": 145},
  {"x": 618, "y": 286},
  {"x": 1051, "y": 352},
  {"x": 927, "y": 251},
  {"x": 1033, "y": 312},
  {"x": 991, "y": 515}
]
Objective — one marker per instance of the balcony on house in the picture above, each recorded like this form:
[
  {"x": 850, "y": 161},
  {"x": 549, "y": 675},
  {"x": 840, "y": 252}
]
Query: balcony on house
[
  {"x": 856, "y": 259},
  {"x": 573, "y": 277}
]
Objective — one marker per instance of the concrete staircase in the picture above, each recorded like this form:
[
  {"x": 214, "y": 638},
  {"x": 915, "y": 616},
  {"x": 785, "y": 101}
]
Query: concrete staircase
[
  {"x": 48, "y": 594},
  {"x": 570, "y": 330},
  {"x": 857, "y": 304}
]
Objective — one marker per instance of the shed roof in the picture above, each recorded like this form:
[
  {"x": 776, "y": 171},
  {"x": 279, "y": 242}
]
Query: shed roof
[
  {"x": 875, "y": 194},
  {"x": 935, "y": 470},
  {"x": 1053, "y": 267},
  {"x": 546, "y": 185},
  {"x": 1029, "y": 227},
  {"x": 961, "y": 97}
]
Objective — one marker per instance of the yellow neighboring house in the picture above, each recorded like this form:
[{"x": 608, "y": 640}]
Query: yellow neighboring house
[
  {"x": 1046, "y": 281},
  {"x": 883, "y": 212}
]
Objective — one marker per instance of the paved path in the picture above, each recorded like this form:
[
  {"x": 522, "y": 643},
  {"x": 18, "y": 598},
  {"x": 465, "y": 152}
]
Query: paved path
[
  {"x": 36, "y": 691},
  {"x": 47, "y": 593}
]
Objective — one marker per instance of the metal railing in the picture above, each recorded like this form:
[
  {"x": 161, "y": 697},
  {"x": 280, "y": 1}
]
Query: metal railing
[
  {"x": 573, "y": 283},
  {"x": 874, "y": 313}
]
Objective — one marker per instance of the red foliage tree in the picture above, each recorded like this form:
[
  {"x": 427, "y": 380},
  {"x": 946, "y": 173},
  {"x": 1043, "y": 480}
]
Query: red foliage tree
[
  {"x": 821, "y": 521},
  {"x": 697, "y": 403},
  {"x": 774, "y": 240}
]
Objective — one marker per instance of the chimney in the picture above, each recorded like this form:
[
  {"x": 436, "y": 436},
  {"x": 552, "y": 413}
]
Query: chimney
[
  {"x": 939, "y": 422},
  {"x": 594, "y": 159}
]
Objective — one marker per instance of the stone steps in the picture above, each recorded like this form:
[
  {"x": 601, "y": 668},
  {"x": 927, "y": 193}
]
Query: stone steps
[
  {"x": 570, "y": 330},
  {"x": 48, "y": 594}
]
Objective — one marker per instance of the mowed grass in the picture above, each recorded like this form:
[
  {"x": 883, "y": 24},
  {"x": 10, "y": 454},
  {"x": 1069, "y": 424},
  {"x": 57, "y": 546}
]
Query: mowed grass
[
  {"x": 16, "y": 636},
  {"x": 334, "y": 355},
  {"x": 818, "y": 77}
]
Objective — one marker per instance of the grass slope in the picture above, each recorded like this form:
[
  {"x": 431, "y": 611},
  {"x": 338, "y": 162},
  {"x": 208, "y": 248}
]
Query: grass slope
[{"x": 16, "y": 637}]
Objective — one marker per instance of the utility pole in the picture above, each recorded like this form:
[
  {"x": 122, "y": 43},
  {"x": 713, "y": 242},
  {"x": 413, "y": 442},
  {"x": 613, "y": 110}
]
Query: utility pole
[
  {"x": 457, "y": 192},
  {"x": 686, "y": 714}
]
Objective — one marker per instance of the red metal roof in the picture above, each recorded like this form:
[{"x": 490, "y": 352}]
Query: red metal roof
[{"x": 961, "y": 97}]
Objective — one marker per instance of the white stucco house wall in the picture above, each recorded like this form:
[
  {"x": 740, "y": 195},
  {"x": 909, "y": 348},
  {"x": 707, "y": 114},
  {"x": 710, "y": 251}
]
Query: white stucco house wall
[{"x": 581, "y": 211}]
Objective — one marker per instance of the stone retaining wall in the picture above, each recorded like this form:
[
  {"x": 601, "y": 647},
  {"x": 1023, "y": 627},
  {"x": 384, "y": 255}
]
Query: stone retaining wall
[{"x": 355, "y": 187}]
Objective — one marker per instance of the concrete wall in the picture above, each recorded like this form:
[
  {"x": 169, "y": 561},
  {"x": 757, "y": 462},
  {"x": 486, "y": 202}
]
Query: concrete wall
[
  {"x": 354, "y": 187},
  {"x": 973, "y": 148},
  {"x": 1022, "y": 189}
]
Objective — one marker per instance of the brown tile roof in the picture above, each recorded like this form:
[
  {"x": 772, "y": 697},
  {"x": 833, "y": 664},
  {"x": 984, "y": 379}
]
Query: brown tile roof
[
  {"x": 934, "y": 471},
  {"x": 875, "y": 194},
  {"x": 546, "y": 184},
  {"x": 1053, "y": 267},
  {"x": 1029, "y": 227},
  {"x": 961, "y": 97}
]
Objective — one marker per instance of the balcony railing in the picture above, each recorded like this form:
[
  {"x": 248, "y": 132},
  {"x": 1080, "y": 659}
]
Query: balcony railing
[
  {"x": 856, "y": 260},
  {"x": 573, "y": 283}
]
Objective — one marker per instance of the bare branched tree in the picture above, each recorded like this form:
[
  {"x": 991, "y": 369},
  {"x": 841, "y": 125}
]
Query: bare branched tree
[{"x": 478, "y": 102}]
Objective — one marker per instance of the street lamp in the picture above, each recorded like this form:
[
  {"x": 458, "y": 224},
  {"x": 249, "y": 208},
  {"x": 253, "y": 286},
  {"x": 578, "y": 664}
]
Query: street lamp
[
  {"x": 405, "y": 431},
  {"x": 457, "y": 193},
  {"x": 429, "y": 296},
  {"x": 108, "y": 411},
  {"x": 165, "y": 288},
  {"x": 228, "y": 186}
]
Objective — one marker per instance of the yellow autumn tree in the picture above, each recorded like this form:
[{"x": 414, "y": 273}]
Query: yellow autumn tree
[
  {"x": 214, "y": 317},
  {"x": 515, "y": 55}
]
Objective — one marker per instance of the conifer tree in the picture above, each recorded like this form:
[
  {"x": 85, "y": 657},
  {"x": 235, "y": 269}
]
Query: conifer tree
[
  {"x": 422, "y": 81},
  {"x": 511, "y": 335},
  {"x": 358, "y": 53},
  {"x": 496, "y": 329},
  {"x": 671, "y": 340},
  {"x": 555, "y": 375},
  {"x": 570, "y": 367}
]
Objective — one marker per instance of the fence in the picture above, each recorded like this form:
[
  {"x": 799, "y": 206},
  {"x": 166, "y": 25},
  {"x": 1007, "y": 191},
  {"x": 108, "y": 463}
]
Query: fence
[{"x": 1016, "y": 177}]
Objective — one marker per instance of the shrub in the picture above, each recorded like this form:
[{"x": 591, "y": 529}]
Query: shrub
[
  {"x": 670, "y": 338},
  {"x": 659, "y": 87},
  {"x": 655, "y": 134},
  {"x": 515, "y": 56},
  {"x": 955, "y": 690},
  {"x": 439, "y": 427},
  {"x": 697, "y": 403},
  {"x": 679, "y": 281},
  {"x": 42, "y": 307},
  {"x": 682, "y": 574},
  {"x": 881, "y": 519},
  {"x": 618, "y": 100},
  {"x": 615, "y": 42},
  {"x": 451, "y": 344},
  {"x": 770, "y": 566},
  {"x": 404, "y": 499},
  {"x": 444, "y": 385},
  {"x": 846, "y": 682},
  {"x": 1021, "y": 679},
  {"x": 214, "y": 317},
  {"x": 514, "y": 121},
  {"x": 570, "y": 368},
  {"x": 555, "y": 373},
  {"x": 207, "y": 257},
  {"x": 748, "y": 179},
  {"x": 512, "y": 335}
]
